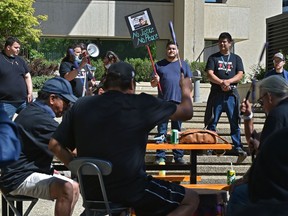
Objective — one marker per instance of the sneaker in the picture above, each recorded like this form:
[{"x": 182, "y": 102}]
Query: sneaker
[
  {"x": 159, "y": 161},
  {"x": 180, "y": 161},
  {"x": 160, "y": 139},
  {"x": 241, "y": 155},
  {"x": 240, "y": 152}
]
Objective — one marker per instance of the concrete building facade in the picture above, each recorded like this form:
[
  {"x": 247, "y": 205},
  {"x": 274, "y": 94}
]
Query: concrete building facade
[
  {"x": 196, "y": 23},
  {"x": 277, "y": 34}
]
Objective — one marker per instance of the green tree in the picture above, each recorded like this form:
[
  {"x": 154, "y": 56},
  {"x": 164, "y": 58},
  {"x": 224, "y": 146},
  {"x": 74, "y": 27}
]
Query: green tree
[{"x": 17, "y": 19}]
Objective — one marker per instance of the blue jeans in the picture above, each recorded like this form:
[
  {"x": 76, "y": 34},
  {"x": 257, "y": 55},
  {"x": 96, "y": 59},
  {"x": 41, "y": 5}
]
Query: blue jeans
[
  {"x": 239, "y": 200},
  {"x": 13, "y": 107},
  {"x": 162, "y": 129},
  {"x": 227, "y": 103}
]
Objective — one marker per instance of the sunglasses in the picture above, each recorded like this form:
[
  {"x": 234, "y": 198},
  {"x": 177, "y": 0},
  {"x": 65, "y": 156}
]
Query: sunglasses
[
  {"x": 64, "y": 100},
  {"x": 260, "y": 100},
  {"x": 276, "y": 61}
]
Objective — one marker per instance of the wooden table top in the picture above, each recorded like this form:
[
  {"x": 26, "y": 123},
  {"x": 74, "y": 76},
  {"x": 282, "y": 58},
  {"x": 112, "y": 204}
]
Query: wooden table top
[{"x": 216, "y": 146}]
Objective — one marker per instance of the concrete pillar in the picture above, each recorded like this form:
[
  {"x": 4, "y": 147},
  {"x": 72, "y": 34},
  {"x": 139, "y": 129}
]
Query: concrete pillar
[{"x": 189, "y": 27}]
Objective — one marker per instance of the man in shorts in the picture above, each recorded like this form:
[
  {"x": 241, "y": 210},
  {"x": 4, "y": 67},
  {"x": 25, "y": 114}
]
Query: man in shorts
[
  {"x": 32, "y": 175},
  {"x": 120, "y": 121}
]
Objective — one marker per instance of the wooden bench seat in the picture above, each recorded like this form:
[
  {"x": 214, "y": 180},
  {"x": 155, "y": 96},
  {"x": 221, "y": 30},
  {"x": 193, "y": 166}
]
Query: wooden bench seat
[
  {"x": 176, "y": 178},
  {"x": 207, "y": 186}
]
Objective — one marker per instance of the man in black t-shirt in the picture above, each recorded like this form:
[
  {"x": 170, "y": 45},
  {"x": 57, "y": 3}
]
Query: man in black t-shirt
[
  {"x": 120, "y": 120},
  {"x": 32, "y": 175},
  {"x": 225, "y": 70},
  {"x": 15, "y": 79}
]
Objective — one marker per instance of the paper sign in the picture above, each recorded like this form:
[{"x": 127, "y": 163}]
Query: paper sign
[{"x": 142, "y": 28}]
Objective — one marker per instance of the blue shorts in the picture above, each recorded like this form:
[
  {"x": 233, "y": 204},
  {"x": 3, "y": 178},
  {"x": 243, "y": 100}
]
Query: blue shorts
[{"x": 160, "y": 198}]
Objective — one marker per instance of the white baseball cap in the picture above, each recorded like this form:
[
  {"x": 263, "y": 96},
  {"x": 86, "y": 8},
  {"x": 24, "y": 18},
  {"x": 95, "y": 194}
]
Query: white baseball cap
[{"x": 279, "y": 55}]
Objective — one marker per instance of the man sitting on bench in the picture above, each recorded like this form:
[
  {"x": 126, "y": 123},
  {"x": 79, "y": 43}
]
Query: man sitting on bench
[
  {"x": 274, "y": 99},
  {"x": 32, "y": 175}
]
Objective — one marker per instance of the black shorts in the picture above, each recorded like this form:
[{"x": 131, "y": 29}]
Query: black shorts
[{"x": 161, "y": 197}]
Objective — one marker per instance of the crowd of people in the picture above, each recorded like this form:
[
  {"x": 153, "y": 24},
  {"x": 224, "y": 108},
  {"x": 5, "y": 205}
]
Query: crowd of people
[{"x": 115, "y": 110}]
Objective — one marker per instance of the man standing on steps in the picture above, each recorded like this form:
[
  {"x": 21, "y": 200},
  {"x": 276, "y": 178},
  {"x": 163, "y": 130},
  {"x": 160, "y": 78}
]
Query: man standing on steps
[
  {"x": 168, "y": 74},
  {"x": 225, "y": 70},
  {"x": 278, "y": 62}
]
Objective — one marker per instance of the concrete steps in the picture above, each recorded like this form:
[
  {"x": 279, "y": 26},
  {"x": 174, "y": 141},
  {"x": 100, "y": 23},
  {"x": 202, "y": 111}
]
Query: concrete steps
[{"x": 212, "y": 169}]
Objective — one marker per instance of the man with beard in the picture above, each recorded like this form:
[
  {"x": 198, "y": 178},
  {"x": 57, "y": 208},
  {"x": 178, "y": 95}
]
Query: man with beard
[{"x": 167, "y": 80}]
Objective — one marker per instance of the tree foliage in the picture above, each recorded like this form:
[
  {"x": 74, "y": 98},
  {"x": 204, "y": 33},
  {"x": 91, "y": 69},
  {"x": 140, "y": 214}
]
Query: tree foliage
[{"x": 17, "y": 19}]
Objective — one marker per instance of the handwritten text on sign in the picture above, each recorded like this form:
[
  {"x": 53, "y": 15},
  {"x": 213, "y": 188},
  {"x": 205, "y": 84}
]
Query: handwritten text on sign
[
  {"x": 145, "y": 36},
  {"x": 142, "y": 28}
]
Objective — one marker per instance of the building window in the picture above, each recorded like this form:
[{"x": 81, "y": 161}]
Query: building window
[
  {"x": 285, "y": 6},
  {"x": 215, "y": 1}
]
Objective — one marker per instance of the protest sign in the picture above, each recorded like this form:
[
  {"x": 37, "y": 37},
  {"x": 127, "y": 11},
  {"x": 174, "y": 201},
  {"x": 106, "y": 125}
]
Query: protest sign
[{"x": 142, "y": 28}]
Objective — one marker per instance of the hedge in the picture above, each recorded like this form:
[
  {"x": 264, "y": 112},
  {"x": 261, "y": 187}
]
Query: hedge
[{"x": 41, "y": 70}]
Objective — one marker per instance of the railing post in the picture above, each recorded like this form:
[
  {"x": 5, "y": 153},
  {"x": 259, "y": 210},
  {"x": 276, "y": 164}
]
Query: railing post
[{"x": 196, "y": 80}]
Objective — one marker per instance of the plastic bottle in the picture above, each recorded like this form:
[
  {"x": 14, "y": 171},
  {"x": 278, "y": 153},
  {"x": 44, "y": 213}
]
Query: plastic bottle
[
  {"x": 162, "y": 172},
  {"x": 231, "y": 175}
]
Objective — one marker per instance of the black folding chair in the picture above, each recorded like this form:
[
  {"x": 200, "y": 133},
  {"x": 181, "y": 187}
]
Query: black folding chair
[
  {"x": 15, "y": 205},
  {"x": 84, "y": 166}
]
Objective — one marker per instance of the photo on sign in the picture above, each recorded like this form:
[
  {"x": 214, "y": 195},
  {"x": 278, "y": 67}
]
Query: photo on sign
[
  {"x": 141, "y": 28},
  {"x": 139, "y": 20}
]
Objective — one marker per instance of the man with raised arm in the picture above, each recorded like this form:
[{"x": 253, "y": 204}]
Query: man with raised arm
[{"x": 120, "y": 120}]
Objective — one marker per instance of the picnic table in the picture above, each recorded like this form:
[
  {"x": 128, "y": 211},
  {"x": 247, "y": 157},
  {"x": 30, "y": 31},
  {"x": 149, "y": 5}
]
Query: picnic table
[{"x": 193, "y": 148}]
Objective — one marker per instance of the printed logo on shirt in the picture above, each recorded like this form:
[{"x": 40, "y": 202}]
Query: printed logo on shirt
[{"x": 225, "y": 66}]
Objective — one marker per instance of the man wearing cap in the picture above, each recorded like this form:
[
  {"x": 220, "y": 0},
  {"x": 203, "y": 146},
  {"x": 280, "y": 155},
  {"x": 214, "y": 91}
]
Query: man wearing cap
[
  {"x": 279, "y": 62},
  {"x": 121, "y": 121},
  {"x": 32, "y": 175}
]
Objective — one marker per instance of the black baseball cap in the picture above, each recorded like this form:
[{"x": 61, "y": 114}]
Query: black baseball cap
[
  {"x": 123, "y": 69},
  {"x": 61, "y": 87}
]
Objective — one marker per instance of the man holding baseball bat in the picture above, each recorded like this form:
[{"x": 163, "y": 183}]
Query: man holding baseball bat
[
  {"x": 225, "y": 70},
  {"x": 168, "y": 74}
]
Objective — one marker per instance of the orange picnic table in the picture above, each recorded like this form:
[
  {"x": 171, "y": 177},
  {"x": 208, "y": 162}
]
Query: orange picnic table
[{"x": 193, "y": 148}]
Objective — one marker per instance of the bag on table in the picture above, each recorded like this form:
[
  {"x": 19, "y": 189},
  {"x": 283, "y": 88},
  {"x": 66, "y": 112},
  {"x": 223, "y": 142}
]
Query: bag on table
[{"x": 199, "y": 136}]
